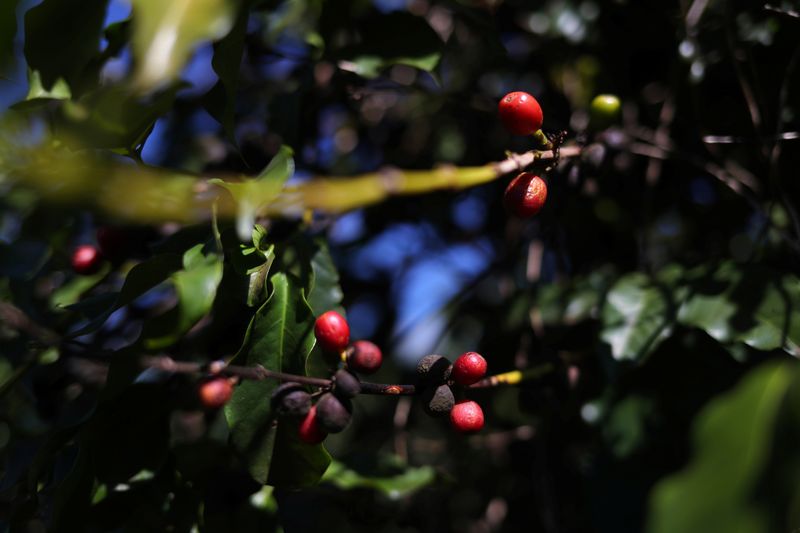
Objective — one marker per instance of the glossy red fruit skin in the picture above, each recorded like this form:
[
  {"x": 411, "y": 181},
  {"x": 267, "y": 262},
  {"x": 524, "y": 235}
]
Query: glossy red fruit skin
[
  {"x": 466, "y": 417},
  {"x": 332, "y": 332},
  {"x": 309, "y": 431},
  {"x": 520, "y": 113},
  {"x": 469, "y": 368},
  {"x": 86, "y": 259},
  {"x": 525, "y": 195},
  {"x": 366, "y": 357},
  {"x": 215, "y": 392}
]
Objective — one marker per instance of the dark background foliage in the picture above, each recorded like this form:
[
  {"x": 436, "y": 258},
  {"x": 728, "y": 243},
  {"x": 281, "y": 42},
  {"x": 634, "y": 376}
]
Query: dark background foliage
[{"x": 656, "y": 292}]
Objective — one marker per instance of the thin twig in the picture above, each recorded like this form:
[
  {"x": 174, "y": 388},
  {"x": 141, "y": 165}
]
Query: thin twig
[
  {"x": 15, "y": 318},
  {"x": 259, "y": 373}
]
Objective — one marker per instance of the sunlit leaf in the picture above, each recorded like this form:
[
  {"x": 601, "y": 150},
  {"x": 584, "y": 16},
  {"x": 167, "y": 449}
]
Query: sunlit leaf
[
  {"x": 166, "y": 33},
  {"x": 395, "y": 486},
  {"x": 750, "y": 304},
  {"x": 636, "y": 316},
  {"x": 386, "y": 42},
  {"x": 254, "y": 194},
  {"x": 732, "y": 440},
  {"x": 196, "y": 287}
]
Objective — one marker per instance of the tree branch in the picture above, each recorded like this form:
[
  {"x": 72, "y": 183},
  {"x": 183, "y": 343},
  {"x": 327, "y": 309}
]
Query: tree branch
[
  {"x": 152, "y": 195},
  {"x": 259, "y": 373}
]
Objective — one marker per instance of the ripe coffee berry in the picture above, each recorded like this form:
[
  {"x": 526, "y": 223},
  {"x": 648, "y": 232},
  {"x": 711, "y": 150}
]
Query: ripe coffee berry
[
  {"x": 365, "y": 357},
  {"x": 466, "y": 417},
  {"x": 332, "y": 332},
  {"x": 469, "y": 368},
  {"x": 215, "y": 392},
  {"x": 309, "y": 430},
  {"x": 520, "y": 113},
  {"x": 86, "y": 260},
  {"x": 525, "y": 195}
]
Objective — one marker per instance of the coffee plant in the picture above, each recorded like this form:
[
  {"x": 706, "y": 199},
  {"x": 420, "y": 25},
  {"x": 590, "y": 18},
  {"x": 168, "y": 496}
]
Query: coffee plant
[{"x": 415, "y": 265}]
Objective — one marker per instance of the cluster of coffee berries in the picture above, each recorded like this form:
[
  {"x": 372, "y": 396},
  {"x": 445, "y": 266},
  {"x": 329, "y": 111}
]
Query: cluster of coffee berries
[
  {"x": 437, "y": 377},
  {"x": 333, "y": 335},
  {"x": 334, "y": 409},
  {"x": 521, "y": 114}
]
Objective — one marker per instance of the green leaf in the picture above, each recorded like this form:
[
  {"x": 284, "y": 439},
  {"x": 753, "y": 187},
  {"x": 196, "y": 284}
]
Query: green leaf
[
  {"x": 114, "y": 117},
  {"x": 398, "y": 38},
  {"x": 221, "y": 99},
  {"x": 196, "y": 287},
  {"x": 254, "y": 194},
  {"x": 62, "y": 37},
  {"x": 22, "y": 259},
  {"x": 325, "y": 293},
  {"x": 750, "y": 304},
  {"x": 637, "y": 315},
  {"x": 71, "y": 292},
  {"x": 8, "y": 30},
  {"x": 166, "y": 33},
  {"x": 394, "y": 485},
  {"x": 280, "y": 337},
  {"x": 295, "y": 463},
  {"x": 570, "y": 303},
  {"x": 733, "y": 437},
  {"x": 140, "y": 279}
]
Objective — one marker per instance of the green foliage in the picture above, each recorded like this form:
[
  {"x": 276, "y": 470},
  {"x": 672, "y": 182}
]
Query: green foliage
[
  {"x": 279, "y": 338},
  {"x": 166, "y": 33},
  {"x": 76, "y": 25},
  {"x": 733, "y": 438},
  {"x": 253, "y": 195},
  {"x": 386, "y": 43},
  {"x": 649, "y": 315},
  {"x": 8, "y": 29}
]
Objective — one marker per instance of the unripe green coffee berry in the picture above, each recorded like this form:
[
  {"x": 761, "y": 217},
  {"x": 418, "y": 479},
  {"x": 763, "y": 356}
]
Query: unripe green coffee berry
[
  {"x": 345, "y": 384},
  {"x": 291, "y": 399},
  {"x": 434, "y": 369},
  {"x": 604, "y": 111},
  {"x": 333, "y": 414},
  {"x": 438, "y": 401}
]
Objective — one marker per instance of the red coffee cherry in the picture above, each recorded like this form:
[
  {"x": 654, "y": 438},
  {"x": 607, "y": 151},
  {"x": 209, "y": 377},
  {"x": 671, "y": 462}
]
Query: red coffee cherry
[
  {"x": 215, "y": 392},
  {"x": 86, "y": 260},
  {"x": 525, "y": 195},
  {"x": 309, "y": 430},
  {"x": 469, "y": 368},
  {"x": 365, "y": 358},
  {"x": 520, "y": 113},
  {"x": 466, "y": 417},
  {"x": 332, "y": 332}
]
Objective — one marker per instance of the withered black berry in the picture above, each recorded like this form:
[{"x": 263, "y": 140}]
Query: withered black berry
[
  {"x": 333, "y": 414},
  {"x": 438, "y": 401},
  {"x": 291, "y": 399},
  {"x": 345, "y": 384},
  {"x": 434, "y": 369}
]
